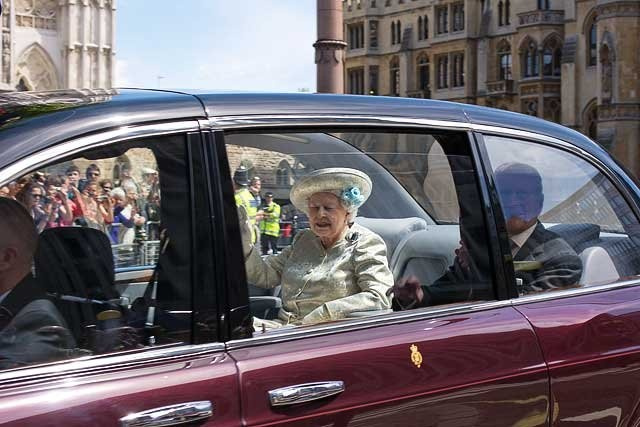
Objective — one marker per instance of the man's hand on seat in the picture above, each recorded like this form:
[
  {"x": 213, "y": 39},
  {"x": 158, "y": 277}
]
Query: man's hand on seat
[
  {"x": 407, "y": 293},
  {"x": 462, "y": 255}
]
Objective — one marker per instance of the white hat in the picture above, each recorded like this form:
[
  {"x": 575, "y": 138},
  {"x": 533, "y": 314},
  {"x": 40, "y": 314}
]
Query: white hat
[
  {"x": 148, "y": 171},
  {"x": 351, "y": 186}
]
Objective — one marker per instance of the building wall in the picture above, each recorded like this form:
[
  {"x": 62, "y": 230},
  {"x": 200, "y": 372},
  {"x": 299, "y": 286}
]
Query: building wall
[
  {"x": 55, "y": 44},
  {"x": 600, "y": 100}
]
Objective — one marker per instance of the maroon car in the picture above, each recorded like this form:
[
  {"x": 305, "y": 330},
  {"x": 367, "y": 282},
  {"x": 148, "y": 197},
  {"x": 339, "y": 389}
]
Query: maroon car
[{"x": 140, "y": 259}]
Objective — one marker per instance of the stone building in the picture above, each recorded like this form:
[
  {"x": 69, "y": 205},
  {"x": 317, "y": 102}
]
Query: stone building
[
  {"x": 575, "y": 62},
  {"x": 54, "y": 44}
]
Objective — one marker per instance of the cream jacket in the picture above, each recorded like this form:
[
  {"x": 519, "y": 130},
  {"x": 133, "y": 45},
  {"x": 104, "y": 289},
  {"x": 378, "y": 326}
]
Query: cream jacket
[{"x": 321, "y": 284}]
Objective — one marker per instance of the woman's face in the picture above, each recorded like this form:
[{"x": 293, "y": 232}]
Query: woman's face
[
  {"x": 92, "y": 190},
  {"x": 327, "y": 216},
  {"x": 35, "y": 196}
]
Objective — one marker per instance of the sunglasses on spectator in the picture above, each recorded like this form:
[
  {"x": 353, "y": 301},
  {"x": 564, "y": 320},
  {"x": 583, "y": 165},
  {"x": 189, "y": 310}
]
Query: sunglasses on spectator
[{"x": 36, "y": 195}]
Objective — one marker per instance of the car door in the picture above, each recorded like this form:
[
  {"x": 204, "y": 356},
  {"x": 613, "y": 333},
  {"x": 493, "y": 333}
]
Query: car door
[
  {"x": 588, "y": 331},
  {"x": 151, "y": 354},
  {"x": 470, "y": 359}
]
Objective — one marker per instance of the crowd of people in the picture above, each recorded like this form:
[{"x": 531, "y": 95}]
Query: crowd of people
[{"x": 125, "y": 209}]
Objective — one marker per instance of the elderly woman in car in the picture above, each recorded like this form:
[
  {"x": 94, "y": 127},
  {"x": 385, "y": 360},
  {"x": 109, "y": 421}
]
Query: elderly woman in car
[{"x": 334, "y": 268}]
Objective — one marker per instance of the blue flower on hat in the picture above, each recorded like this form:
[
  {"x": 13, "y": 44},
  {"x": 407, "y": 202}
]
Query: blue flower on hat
[{"x": 352, "y": 196}]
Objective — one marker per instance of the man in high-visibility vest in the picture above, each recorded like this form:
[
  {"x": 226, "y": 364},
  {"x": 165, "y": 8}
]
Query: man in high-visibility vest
[
  {"x": 270, "y": 225},
  {"x": 246, "y": 200}
]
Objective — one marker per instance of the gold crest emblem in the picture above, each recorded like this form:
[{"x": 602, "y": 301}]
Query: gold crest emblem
[{"x": 416, "y": 356}]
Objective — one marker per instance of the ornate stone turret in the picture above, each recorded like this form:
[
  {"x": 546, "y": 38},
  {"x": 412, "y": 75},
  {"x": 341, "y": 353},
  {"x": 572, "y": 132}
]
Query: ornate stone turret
[
  {"x": 330, "y": 47},
  {"x": 54, "y": 44}
]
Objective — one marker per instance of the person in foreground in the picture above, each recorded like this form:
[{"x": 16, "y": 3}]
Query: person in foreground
[
  {"x": 331, "y": 270},
  {"x": 542, "y": 259},
  {"x": 31, "y": 328}
]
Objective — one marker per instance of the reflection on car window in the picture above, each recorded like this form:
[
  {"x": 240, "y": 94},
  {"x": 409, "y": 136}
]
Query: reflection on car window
[
  {"x": 113, "y": 252},
  {"x": 584, "y": 233},
  {"x": 420, "y": 214}
]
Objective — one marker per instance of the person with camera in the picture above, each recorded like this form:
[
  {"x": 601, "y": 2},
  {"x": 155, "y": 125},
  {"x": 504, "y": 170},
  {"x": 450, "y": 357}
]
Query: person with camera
[
  {"x": 98, "y": 210},
  {"x": 270, "y": 225},
  {"x": 56, "y": 204}
]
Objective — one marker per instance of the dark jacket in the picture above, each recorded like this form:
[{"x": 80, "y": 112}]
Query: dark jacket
[
  {"x": 32, "y": 330},
  {"x": 560, "y": 267}
]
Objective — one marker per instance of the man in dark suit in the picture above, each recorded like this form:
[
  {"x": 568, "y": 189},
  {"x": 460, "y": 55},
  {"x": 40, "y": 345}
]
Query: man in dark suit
[
  {"x": 542, "y": 259},
  {"x": 31, "y": 328}
]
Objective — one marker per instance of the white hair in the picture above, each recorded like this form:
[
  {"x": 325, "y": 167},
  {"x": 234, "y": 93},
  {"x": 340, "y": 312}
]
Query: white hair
[{"x": 118, "y": 193}]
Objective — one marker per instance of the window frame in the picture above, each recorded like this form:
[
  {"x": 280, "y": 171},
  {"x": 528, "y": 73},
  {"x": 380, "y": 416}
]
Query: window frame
[
  {"x": 353, "y": 124},
  {"x": 130, "y": 359},
  {"x": 625, "y": 192},
  {"x": 508, "y": 296}
]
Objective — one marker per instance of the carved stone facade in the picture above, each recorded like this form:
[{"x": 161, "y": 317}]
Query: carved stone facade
[
  {"x": 575, "y": 62},
  {"x": 57, "y": 44}
]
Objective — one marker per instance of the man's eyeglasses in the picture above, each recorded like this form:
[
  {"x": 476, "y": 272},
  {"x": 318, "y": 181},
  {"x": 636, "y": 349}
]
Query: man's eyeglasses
[{"x": 94, "y": 173}]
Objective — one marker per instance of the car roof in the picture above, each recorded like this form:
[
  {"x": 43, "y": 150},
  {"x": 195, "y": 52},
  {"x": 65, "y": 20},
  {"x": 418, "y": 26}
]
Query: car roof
[{"x": 31, "y": 121}]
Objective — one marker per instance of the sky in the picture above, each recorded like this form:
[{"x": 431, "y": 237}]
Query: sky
[{"x": 247, "y": 45}]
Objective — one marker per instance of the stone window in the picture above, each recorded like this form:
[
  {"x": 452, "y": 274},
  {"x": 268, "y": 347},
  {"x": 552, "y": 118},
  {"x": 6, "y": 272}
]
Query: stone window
[
  {"x": 423, "y": 27},
  {"x": 373, "y": 80},
  {"x": 423, "y": 73},
  {"x": 394, "y": 71},
  {"x": 592, "y": 53},
  {"x": 543, "y": 4},
  {"x": 373, "y": 34},
  {"x": 504, "y": 61},
  {"x": 458, "y": 16},
  {"x": 442, "y": 15},
  {"x": 551, "y": 58},
  {"x": 504, "y": 12},
  {"x": 458, "y": 69},
  {"x": 396, "y": 32},
  {"x": 530, "y": 61},
  {"x": 443, "y": 72},
  {"x": 356, "y": 35},
  {"x": 393, "y": 32},
  {"x": 356, "y": 81},
  {"x": 507, "y": 12}
]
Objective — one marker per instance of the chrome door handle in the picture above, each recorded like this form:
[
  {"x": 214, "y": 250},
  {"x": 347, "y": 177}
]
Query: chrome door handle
[
  {"x": 169, "y": 415},
  {"x": 302, "y": 393}
]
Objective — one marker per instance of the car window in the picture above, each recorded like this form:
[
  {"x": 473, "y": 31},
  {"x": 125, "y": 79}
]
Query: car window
[
  {"x": 112, "y": 268},
  {"x": 571, "y": 224},
  {"x": 423, "y": 210}
]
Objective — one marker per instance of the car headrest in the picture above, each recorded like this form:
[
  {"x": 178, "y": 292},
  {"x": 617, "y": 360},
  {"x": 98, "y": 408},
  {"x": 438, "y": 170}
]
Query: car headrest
[
  {"x": 76, "y": 261},
  {"x": 578, "y": 236},
  {"x": 597, "y": 267},
  {"x": 392, "y": 230}
]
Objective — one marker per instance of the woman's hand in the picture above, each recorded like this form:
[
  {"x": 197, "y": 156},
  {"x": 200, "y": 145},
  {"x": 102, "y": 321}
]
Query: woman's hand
[{"x": 318, "y": 315}]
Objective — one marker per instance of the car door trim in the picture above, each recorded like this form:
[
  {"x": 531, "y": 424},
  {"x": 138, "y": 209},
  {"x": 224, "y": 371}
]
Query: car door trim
[
  {"x": 89, "y": 365},
  {"x": 399, "y": 317},
  {"x": 97, "y": 139}
]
